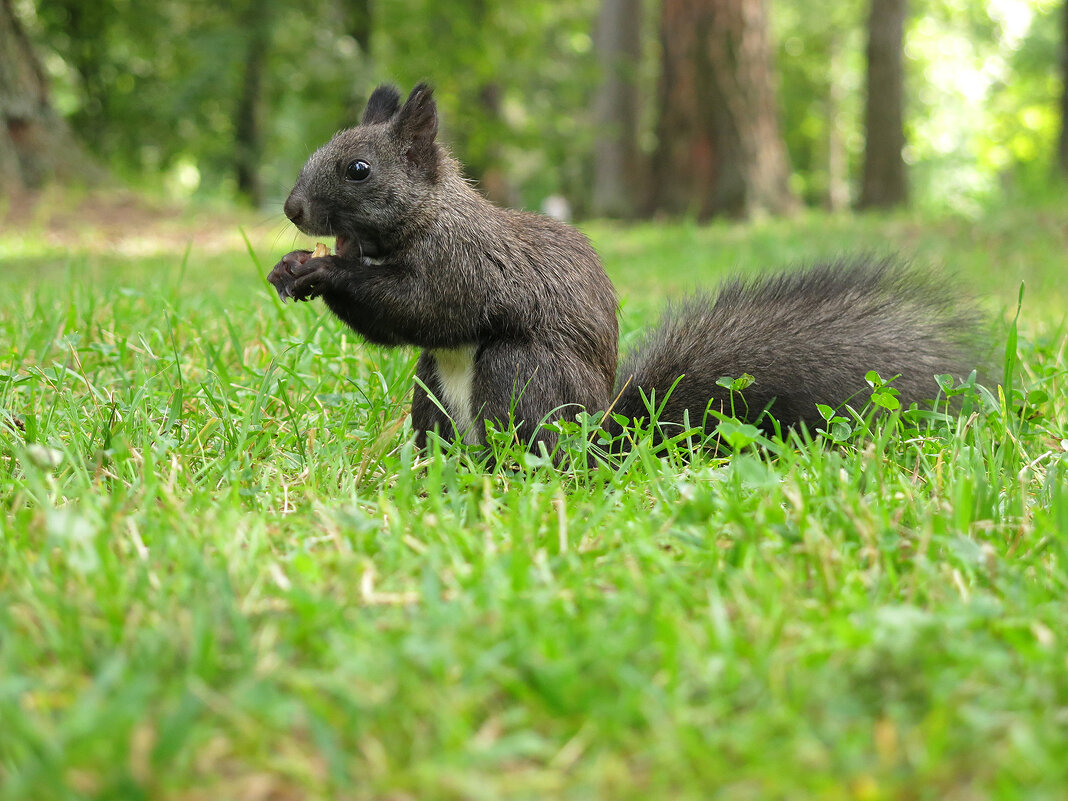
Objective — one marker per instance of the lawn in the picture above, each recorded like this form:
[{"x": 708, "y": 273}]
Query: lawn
[{"x": 226, "y": 574}]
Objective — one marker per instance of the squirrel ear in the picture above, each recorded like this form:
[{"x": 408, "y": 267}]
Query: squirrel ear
[
  {"x": 417, "y": 125},
  {"x": 383, "y": 103}
]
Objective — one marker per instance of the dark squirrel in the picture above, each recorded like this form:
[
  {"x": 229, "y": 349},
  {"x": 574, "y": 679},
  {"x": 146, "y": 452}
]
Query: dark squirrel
[{"x": 517, "y": 319}]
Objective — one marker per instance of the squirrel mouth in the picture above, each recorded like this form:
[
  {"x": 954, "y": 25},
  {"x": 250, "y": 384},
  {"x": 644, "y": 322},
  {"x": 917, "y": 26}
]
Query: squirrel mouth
[{"x": 359, "y": 247}]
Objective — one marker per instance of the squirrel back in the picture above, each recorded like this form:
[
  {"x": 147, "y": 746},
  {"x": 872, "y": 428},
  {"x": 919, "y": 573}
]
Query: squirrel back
[{"x": 517, "y": 320}]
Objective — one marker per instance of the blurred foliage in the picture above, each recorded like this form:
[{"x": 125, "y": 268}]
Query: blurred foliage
[
  {"x": 981, "y": 91},
  {"x": 514, "y": 83},
  {"x": 153, "y": 87},
  {"x": 985, "y": 79},
  {"x": 820, "y": 42}
]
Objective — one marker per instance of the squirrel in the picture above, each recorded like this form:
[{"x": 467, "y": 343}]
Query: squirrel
[{"x": 517, "y": 319}]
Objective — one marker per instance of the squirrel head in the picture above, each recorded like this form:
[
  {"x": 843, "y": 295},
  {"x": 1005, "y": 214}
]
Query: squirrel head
[{"x": 367, "y": 183}]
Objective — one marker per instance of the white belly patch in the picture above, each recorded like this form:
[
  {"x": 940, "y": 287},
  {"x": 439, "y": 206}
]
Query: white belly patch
[{"x": 456, "y": 374}]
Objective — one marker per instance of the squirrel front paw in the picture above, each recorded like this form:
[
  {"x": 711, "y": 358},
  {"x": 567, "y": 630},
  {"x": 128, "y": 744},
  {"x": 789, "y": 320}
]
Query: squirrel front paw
[
  {"x": 310, "y": 278},
  {"x": 282, "y": 277},
  {"x": 299, "y": 275}
]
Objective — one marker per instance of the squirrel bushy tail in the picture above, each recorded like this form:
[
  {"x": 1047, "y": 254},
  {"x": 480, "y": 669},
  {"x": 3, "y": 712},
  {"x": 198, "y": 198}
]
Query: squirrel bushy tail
[{"x": 806, "y": 337}]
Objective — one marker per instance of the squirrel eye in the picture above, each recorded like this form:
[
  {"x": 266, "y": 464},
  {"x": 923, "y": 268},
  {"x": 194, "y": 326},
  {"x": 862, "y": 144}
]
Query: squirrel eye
[{"x": 358, "y": 170}]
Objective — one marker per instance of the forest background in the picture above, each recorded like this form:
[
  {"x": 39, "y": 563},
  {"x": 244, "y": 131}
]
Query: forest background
[{"x": 621, "y": 107}]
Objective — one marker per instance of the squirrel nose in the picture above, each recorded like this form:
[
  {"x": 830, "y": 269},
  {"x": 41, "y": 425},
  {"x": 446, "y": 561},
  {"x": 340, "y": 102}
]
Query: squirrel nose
[{"x": 294, "y": 209}]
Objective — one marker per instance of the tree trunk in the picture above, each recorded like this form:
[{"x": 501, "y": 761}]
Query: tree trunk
[
  {"x": 884, "y": 182},
  {"x": 35, "y": 144},
  {"x": 248, "y": 118},
  {"x": 720, "y": 148},
  {"x": 491, "y": 177},
  {"x": 837, "y": 158},
  {"x": 1062, "y": 150},
  {"x": 86, "y": 25},
  {"x": 616, "y": 172},
  {"x": 358, "y": 18}
]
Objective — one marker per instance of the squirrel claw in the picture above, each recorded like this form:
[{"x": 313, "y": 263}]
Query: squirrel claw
[
  {"x": 308, "y": 285},
  {"x": 288, "y": 271}
]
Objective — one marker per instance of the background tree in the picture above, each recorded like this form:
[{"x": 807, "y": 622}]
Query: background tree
[
  {"x": 884, "y": 184},
  {"x": 720, "y": 148},
  {"x": 86, "y": 37},
  {"x": 358, "y": 21},
  {"x": 35, "y": 144},
  {"x": 821, "y": 69},
  {"x": 1062, "y": 148},
  {"x": 617, "y": 171},
  {"x": 248, "y": 114},
  {"x": 184, "y": 96},
  {"x": 837, "y": 196}
]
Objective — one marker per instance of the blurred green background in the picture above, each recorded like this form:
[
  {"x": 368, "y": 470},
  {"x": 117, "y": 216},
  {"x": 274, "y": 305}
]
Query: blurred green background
[
  {"x": 177, "y": 97},
  {"x": 225, "y": 573}
]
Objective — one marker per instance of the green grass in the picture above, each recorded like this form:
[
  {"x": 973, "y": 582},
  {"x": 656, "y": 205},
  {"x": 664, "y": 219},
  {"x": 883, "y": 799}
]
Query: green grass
[{"x": 225, "y": 573}]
